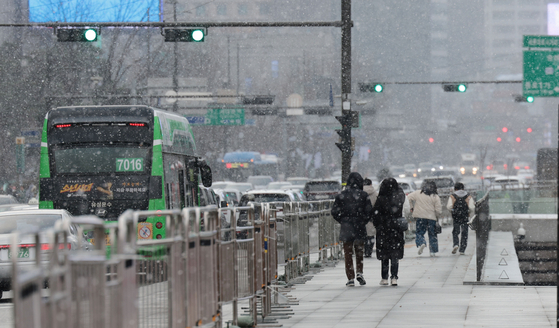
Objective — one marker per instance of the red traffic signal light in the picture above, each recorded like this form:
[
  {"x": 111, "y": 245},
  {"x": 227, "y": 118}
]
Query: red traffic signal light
[
  {"x": 518, "y": 139},
  {"x": 529, "y": 130},
  {"x": 431, "y": 140},
  {"x": 499, "y": 139},
  {"x": 505, "y": 129}
]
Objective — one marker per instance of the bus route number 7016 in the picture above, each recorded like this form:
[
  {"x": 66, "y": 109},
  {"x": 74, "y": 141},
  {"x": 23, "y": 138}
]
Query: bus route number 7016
[{"x": 129, "y": 164}]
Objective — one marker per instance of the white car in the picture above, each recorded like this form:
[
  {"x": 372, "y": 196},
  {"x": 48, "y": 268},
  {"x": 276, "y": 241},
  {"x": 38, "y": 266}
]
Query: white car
[{"x": 30, "y": 220}]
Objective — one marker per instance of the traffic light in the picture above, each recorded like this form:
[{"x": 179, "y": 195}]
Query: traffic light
[
  {"x": 77, "y": 34},
  {"x": 528, "y": 99},
  {"x": 185, "y": 35},
  {"x": 348, "y": 120},
  {"x": 371, "y": 87},
  {"x": 458, "y": 87}
]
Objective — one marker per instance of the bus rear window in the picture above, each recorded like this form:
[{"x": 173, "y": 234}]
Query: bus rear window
[{"x": 92, "y": 160}]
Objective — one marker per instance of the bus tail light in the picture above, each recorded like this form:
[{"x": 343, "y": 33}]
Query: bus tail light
[
  {"x": 137, "y": 124},
  {"x": 63, "y": 125}
]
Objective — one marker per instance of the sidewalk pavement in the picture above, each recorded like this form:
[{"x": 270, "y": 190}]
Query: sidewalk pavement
[{"x": 430, "y": 293}]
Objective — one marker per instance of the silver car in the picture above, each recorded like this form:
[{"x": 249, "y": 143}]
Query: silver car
[{"x": 31, "y": 220}]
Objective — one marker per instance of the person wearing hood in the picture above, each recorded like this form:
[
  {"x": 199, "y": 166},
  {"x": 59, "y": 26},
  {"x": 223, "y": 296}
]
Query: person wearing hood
[
  {"x": 426, "y": 209},
  {"x": 462, "y": 206},
  {"x": 352, "y": 209},
  {"x": 370, "y": 227},
  {"x": 391, "y": 205}
]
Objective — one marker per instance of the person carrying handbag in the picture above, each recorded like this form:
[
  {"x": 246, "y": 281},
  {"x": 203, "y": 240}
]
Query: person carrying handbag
[
  {"x": 371, "y": 232},
  {"x": 388, "y": 210},
  {"x": 426, "y": 209}
]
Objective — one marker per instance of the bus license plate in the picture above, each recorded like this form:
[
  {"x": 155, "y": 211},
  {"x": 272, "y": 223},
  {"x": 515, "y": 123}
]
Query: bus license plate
[{"x": 23, "y": 253}]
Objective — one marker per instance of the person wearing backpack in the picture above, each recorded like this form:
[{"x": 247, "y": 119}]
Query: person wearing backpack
[{"x": 462, "y": 206}]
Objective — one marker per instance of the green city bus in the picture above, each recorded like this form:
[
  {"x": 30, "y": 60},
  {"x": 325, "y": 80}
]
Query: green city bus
[{"x": 103, "y": 160}]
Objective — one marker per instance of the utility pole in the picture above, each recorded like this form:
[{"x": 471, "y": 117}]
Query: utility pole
[
  {"x": 349, "y": 118},
  {"x": 175, "y": 70}
]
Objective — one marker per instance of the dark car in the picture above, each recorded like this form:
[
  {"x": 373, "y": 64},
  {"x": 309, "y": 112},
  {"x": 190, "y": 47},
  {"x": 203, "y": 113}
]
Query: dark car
[{"x": 321, "y": 190}]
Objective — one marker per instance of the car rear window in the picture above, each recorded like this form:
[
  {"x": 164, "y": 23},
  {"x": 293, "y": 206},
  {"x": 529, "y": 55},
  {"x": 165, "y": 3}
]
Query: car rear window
[
  {"x": 322, "y": 186},
  {"x": 9, "y": 224},
  {"x": 443, "y": 183},
  {"x": 264, "y": 198}
]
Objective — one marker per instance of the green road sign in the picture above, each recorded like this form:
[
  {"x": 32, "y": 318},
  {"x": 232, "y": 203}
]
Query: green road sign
[
  {"x": 541, "y": 73},
  {"x": 225, "y": 116},
  {"x": 541, "y": 41}
]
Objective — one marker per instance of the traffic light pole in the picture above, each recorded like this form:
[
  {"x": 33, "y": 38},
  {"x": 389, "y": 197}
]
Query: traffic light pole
[{"x": 346, "y": 119}]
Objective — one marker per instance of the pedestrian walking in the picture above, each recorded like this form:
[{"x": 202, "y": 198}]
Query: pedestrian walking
[
  {"x": 426, "y": 209},
  {"x": 388, "y": 208},
  {"x": 461, "y": 205},
  {"x": 352, "y": 209},
  {"x": 370, "y": 227}
]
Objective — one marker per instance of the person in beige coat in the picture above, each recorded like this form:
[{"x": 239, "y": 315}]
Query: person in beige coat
[
  {"x": 371, "y": 231},
  {"x": 426, "y": 209}
]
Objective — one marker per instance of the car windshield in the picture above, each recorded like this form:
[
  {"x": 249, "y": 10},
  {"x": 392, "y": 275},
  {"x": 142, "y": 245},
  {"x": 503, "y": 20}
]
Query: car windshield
[
  {"x": 322, "y": 186},
  {"x": 259, "y": 181},
  {"x": 242, "y": 187},
  {"x": 297, "y": 182},
  {"x": 23, "y": 222},
  {"x": 278, "y": 185}
]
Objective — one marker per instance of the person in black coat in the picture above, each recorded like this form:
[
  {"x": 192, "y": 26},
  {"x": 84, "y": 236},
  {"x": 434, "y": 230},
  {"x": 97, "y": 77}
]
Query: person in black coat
[
  {"x": 352, "y": 209},
  {"x": 390, "y": 239}
]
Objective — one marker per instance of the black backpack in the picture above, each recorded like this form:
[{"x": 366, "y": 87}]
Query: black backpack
[{"x": 460, "y": 211}]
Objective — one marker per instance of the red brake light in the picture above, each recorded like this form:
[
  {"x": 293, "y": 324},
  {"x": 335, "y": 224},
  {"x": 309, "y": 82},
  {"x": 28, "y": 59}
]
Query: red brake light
[
  {"x": 63, "y": 125},
  {"x": 137, "y": 124},
  {"x": 228, "y": 165}
]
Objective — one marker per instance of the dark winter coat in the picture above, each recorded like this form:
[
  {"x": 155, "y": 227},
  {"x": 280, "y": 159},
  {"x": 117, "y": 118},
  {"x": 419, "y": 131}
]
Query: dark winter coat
[
  {"x": 352, "y": 209},
  {"x": 388, "y": 208}
]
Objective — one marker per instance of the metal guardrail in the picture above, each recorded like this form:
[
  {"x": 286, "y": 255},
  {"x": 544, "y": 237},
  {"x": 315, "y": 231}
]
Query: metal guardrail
[{"x": 182, "y": 280}]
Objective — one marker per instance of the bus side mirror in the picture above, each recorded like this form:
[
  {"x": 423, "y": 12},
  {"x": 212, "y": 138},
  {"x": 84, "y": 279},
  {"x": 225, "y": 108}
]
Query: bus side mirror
[{"x": 206, "y": 173}]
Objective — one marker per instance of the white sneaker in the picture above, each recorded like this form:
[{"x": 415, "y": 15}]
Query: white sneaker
[
  {"x": 394, "y": 282},
  {"x": 432, "y": 254},
  {"x": 421, "y": 248},
  {"x": 350, "y": 283},
  {"x": 461, "y": 253},
  {"x": 383, "y": 282},
  {"x": 454, "y": 250}
]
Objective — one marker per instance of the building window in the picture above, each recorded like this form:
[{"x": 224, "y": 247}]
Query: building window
[
  {"x": 264, "y": 9},
  {"x": 242, "y": 9},
  {"x": 222, "y": 9},
  {"x": 503, "y": 43},
  {"x": 507, "y": 29},
  {"x": 529, "y": 15},
  {"x": 505, "y": 14},
  {"x": 201, "y": 11},
  {"x": 530, "y": 29}
]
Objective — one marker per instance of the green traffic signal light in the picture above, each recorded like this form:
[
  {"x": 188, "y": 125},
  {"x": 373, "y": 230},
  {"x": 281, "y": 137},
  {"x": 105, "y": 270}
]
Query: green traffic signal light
[
  {"x": 197, "y": 35},
  {"x": 90, "y": 35},
  {"x": 77, "y": 34},
  {"x": 378, "y": 88},
  {"x": 185, "y": 35},
  {"x": 530, "y": 99},
  {"x": 461, "y": 88}
]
